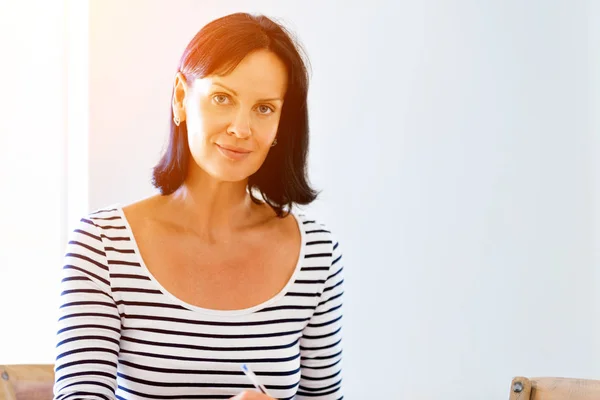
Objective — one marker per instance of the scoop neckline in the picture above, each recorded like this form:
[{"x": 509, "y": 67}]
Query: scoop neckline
[{"x": 216, "y": 312}]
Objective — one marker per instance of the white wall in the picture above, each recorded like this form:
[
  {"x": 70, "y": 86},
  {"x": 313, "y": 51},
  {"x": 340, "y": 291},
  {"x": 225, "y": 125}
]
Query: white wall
[
  {"x": 32, "y": 176},
  {"x": 453, "y": 143},
  {"x": 594, "y": 115}
]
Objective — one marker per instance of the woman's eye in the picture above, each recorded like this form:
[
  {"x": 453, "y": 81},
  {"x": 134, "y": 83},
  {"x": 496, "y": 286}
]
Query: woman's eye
[
  {"x": 220, "y": 99},
  {"x": 265, "y": 109}
]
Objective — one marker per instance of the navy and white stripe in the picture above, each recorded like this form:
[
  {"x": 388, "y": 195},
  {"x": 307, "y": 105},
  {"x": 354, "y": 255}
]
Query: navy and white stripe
[{"x": 123, "y": 336}]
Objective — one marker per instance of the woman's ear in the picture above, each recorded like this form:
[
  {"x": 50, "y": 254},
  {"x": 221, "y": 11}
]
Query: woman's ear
[{"x": 180, "y": 90}]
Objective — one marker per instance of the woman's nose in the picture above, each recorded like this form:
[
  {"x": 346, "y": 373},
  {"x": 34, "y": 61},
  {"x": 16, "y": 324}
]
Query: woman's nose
[{"x": 240, "y": 126}]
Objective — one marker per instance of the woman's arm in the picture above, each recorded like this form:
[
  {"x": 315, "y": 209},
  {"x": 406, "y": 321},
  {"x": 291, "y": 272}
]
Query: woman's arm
[
  {"x": 89, "y": 326},
  {"x": 320, "y": 345}
]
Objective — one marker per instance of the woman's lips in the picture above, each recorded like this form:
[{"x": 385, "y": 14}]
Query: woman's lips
[{"x": 233, "y": 153}]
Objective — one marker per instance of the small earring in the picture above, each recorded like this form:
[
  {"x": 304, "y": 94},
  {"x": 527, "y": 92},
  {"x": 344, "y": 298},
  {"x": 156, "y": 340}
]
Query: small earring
[
  {"x": 176, "y": 120},
  {"x": 274, "y": 143}
]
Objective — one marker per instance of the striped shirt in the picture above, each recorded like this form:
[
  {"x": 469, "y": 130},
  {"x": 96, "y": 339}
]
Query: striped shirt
[{"x": 121, "y": 335}]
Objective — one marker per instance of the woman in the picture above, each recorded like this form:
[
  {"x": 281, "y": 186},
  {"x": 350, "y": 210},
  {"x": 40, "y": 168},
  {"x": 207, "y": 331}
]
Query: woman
[{"x": 166, "y": 298}]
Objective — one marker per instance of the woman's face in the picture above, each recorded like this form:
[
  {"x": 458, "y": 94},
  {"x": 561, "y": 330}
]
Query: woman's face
[{"x": 232, "y": 120}]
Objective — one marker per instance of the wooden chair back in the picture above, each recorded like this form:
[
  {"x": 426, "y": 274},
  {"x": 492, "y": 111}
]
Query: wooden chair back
[
  {"x": 26, "y": 382},
  {"x": 554, "y": 389}
]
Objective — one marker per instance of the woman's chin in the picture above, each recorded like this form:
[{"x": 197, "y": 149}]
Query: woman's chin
[{"x": 231, "y": 174}]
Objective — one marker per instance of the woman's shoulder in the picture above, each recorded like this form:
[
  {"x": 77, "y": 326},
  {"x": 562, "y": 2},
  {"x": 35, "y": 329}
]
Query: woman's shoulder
[
  {"x": 116, "y": 220},
  {"x": 320, "y": 241},
  {"x": 100, "y": 224},
  {"x": 312, "y": 221},
  {"x": 121, "y": 212},
  {"x": 109, "y": 211},
  {"x": 315, "y": 228},
  {"x": 112, "y": 218},
  {"x": 95, "y": 219}
]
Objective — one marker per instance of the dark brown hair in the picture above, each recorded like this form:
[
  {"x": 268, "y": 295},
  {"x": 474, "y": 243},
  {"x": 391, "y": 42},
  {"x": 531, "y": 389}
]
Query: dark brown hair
[{"x": 217, "y": 49}]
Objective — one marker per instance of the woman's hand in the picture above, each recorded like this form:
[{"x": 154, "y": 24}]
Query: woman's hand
[{"x": 251, "y": 395}]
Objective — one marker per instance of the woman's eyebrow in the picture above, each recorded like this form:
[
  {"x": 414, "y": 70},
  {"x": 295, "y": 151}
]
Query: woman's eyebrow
[
  {"x": 235, "y": 93},
  {"x": 272, "y": 99},
  {"x": 225, "y": 87}
]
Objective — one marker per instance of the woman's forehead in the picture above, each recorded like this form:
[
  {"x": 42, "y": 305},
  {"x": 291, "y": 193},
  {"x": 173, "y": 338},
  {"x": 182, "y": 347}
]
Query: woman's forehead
[{"x": 261, "y": 73}]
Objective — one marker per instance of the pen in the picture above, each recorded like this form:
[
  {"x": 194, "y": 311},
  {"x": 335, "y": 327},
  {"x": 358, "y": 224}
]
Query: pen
[{"x": 254, "y": 379}]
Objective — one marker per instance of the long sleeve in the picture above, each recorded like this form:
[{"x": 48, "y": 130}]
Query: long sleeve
[
  {"x": 89, "y": 326},
  {"x": 321, "y": 342}
]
